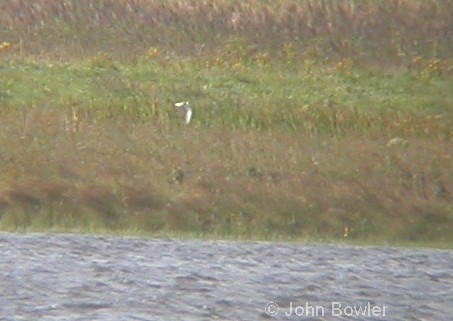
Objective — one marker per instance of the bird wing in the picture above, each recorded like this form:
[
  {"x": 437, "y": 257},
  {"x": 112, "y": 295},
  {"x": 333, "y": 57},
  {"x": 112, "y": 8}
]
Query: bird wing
[{"x": 188, "y": 115}]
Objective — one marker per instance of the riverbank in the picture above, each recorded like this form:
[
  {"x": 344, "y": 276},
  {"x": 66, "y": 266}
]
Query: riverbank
[{"x": 291, "y": 144}]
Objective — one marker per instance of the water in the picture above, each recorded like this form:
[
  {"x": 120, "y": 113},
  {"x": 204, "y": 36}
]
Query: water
[{"x": 79, "y": 277}]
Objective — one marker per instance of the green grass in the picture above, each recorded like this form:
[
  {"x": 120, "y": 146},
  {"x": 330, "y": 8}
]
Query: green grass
[
  {"x": 291, "y": 143},
  {"x": 311, "y": 99}
]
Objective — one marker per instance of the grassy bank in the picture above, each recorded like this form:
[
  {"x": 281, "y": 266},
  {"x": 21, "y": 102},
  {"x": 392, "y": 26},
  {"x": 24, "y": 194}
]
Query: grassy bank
[{"x": 290, "y": 139}]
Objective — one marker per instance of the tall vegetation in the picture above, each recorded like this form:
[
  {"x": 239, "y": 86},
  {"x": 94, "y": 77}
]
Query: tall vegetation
[{"x": 320, "y": 120}]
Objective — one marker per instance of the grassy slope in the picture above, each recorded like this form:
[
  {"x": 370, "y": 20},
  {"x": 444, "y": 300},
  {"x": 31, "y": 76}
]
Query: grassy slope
[{"x": 289, "y": 144}]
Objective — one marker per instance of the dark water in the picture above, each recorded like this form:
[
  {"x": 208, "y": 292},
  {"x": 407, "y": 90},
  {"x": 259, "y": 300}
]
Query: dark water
[{"x": 74, "y": 277}]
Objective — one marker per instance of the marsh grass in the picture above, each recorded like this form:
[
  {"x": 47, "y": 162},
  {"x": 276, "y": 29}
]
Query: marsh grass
[
  {"x": 368, "y": 30},
  {"x": 311, "y": 135}
]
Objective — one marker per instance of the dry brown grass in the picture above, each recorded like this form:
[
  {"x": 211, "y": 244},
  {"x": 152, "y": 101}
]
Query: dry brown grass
[
  {"x": 218, "y": 182},
  {"x": 374, "y": 31}
]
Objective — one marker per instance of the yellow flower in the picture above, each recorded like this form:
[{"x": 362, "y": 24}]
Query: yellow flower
[
  {"x": 345, "y": 64},
  {"x": 237, "y": 67},
  {"x": 152, "y": 53},
  {"x": 4, "y": 46}
]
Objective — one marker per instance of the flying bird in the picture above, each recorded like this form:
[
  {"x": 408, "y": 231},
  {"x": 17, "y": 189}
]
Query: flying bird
[{"x": 185, "y": 106}]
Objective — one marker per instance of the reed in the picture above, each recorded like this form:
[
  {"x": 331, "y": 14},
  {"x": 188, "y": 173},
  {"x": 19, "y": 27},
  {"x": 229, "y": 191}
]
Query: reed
[{"x": 373, "y": 31}]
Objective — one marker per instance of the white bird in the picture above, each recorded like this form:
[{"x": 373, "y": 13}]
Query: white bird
[{"x": 185, "y": 106}]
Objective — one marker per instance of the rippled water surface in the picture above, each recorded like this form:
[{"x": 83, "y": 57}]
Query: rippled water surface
[{"x": 76, "y": 277}]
